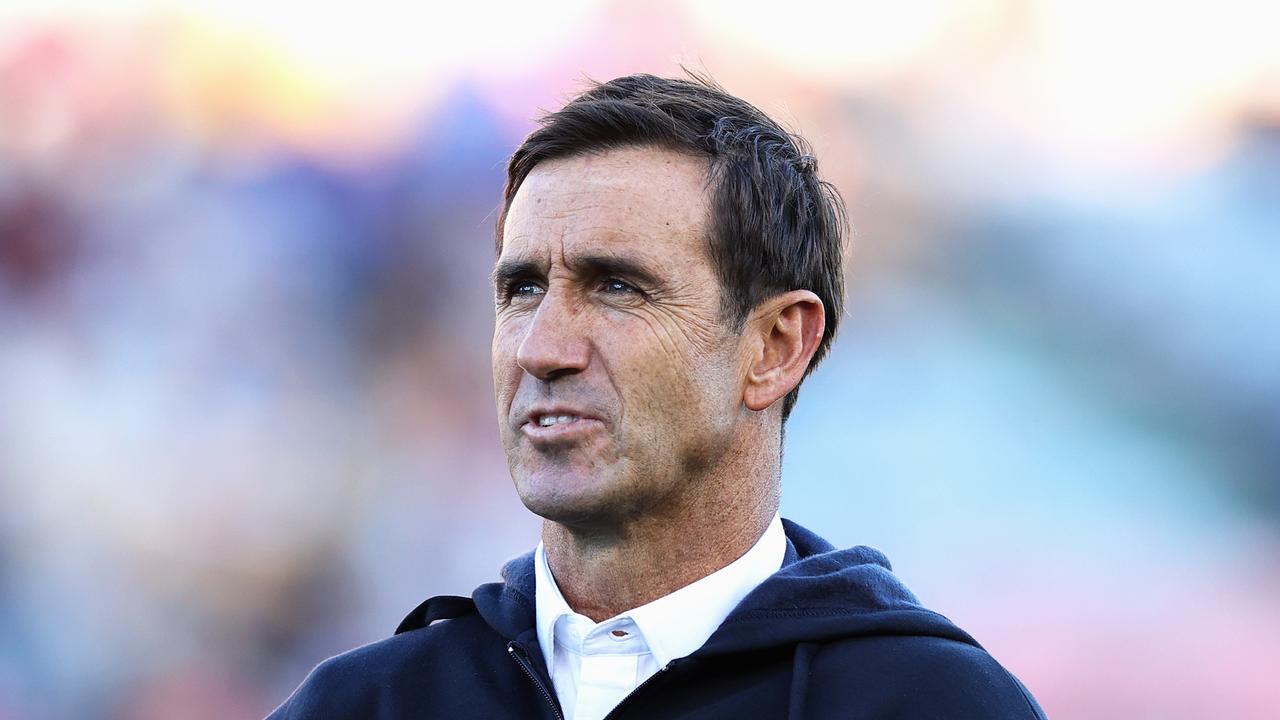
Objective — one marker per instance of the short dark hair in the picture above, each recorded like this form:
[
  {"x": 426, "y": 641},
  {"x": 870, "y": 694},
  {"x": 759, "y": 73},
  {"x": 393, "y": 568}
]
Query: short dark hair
[{"x": 775, "y": 225}]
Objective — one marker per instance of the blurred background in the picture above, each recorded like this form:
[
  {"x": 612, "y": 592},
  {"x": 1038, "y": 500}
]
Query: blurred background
[{"x": 246, "y": 415}]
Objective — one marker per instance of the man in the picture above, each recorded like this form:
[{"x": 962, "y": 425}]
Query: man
[{"x": 669, "y": 269}]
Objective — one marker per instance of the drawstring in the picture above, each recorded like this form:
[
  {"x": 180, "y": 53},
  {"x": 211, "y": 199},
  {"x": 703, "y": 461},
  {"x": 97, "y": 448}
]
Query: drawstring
[{"x": 800, "y": 679}]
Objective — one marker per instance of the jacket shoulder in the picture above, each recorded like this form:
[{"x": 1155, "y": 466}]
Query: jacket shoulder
[
  {"x": 400, "y": 671},
  {"x": 917, "y": 676}
]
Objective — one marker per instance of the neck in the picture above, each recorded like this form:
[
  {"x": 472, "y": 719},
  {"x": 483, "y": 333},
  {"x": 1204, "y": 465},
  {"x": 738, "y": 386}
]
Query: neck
[{"x": 607, "y": 569}]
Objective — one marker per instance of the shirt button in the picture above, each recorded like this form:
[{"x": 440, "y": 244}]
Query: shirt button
[{"x": 619, "y": 633}]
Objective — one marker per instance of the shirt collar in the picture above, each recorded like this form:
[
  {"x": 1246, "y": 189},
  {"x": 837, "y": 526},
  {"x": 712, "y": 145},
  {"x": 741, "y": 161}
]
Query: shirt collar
[{"x": 677, "y": 624}]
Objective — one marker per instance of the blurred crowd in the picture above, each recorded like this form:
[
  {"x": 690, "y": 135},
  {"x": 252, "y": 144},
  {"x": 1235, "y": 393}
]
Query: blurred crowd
[{"x": 246, "y": 417}]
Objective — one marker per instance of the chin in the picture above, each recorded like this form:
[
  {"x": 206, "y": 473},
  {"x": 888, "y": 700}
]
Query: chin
[
  {"x": 576, "y": 498},
  {"x": 559, "y": 497}
]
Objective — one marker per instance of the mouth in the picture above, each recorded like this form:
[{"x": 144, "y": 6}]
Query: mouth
[
  {"x": 550, "y": 419},
  {"x": 558, "y": 426}
]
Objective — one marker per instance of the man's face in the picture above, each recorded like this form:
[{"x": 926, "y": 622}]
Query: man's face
[{"x": 617, "y": 383}]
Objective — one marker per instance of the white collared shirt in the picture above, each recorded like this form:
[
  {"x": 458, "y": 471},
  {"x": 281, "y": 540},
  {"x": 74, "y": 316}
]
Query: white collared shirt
[{"x": 594, "y": 666}]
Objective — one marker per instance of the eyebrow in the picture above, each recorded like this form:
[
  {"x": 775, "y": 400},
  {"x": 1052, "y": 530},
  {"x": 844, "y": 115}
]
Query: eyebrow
[{"x": 508, "y": 271}]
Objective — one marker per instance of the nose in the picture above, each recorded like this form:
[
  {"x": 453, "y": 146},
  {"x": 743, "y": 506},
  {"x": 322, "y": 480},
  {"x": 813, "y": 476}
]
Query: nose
[{"x": 554, "y": 344}]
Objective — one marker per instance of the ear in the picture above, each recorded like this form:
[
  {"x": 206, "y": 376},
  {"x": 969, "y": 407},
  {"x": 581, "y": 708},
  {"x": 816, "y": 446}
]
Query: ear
[{"x": 788, "y": 328}]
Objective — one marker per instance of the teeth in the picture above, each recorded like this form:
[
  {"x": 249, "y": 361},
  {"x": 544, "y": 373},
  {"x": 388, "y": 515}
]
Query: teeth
[{"x": 549, "y": 420}]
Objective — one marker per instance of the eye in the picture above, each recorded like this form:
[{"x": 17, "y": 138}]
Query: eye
[
  {"x": 524, "y": 287},
  {"x": 517, "y": 290},
  {"x": 616, "y": 286}
]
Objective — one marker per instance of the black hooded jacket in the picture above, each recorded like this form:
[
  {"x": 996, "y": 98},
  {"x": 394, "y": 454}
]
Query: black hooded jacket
[{"x": 833, "y": 634}]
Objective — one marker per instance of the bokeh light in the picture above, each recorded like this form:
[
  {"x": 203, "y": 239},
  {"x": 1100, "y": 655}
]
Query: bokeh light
[{"x": 245, "y": 404}]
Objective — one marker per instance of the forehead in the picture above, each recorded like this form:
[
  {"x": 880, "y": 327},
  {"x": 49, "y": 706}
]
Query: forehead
[{"x": 650, "y": 202}]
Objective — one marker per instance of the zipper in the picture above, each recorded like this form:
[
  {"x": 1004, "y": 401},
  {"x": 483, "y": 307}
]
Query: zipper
[
  {"x": 524, "y": 665},
  {"x": 641, "y": 686}
]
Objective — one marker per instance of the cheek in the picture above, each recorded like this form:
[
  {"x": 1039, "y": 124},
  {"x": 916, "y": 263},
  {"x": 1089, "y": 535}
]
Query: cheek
[
  {"x": 675, "y": 377},
  {"x": 506, "y": 373}
]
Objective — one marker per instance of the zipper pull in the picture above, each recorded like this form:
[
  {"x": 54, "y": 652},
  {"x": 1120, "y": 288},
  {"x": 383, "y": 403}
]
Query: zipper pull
[{"x": 517, "y": 653}]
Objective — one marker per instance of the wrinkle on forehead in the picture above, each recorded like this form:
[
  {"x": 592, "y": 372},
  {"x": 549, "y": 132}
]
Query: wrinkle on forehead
[{"x": 622, "y": 196}]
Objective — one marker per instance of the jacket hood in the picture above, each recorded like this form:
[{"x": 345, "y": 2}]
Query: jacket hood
[{"x": 820, "y": 593}]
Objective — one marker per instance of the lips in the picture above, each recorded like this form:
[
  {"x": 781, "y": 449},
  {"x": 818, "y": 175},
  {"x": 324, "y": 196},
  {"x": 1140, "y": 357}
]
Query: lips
[
  {"x": 558, "y": 423},
  {"x": 553, "y": 415},
  {"x": 548, "y": 420}
]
